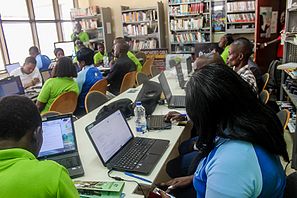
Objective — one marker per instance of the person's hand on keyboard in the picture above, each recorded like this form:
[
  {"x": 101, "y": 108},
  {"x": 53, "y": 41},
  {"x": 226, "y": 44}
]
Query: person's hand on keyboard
[{"x": 174, "y": 116}]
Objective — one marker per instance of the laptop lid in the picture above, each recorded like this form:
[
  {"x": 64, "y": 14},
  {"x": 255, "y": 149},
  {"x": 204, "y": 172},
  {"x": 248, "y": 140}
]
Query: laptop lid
[
  {"x": 179, "y": 72},
  {"x": 67, "y": 46},
  {"x": 58, "y": 136},
  {"x": 109, "y": 135},
  {"x": 10, "y": 67},
  {"x": 165, "y": 86},
  {"x": 11, "y": 86},
  {"x": 189, "y": 65}
]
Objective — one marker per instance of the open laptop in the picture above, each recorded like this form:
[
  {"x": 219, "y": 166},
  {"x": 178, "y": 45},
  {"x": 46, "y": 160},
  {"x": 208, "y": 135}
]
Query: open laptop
[
  {"x": 10, "y": 67},
  {"x": 119, "y": 150},
  {"x": 173, "y": 101},
  {"x": 189, "y": 66},
  {"x": 67, "y": 46},
  {"x": 59, "y": 144},
  {"x": 157, "y": 122},
  {"x": 179, "y": 73},
  {"x": 13, "y": 86}
]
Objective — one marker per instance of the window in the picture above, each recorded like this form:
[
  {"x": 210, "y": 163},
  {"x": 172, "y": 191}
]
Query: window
[
  {"x": 43, "y": 9},
  {"x": 14, "y": 10},
  {"x": 47, "y": 35},
  {"x": 18, "y": 44},
  {"x": 67, "y": 28},
  {"x": 65, "y": 7}
]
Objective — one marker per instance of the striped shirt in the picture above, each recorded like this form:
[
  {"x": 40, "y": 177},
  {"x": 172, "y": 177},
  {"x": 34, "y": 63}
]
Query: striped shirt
[{"x": 247, "y": 75}]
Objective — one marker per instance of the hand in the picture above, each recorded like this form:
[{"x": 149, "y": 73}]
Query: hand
[
  {"x": 174, "y": 116},
  {"x": 179, "y": 182},
  {"x": 35, "y": 81}
]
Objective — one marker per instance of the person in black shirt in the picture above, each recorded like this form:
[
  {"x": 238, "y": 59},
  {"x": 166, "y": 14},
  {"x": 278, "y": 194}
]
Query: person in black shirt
[{"x": 120, "y": 68}]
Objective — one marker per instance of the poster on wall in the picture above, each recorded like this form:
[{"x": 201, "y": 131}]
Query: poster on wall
[
  {"x": 265, "y": 22},
  {"x": 274, "y": 22}
]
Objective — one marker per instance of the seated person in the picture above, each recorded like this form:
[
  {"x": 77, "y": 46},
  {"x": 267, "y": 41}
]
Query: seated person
[
  {"x": 224, "y": 45},
  {"x": 88, "y": 75},
  {"x": 42, "y": 61},
  {"x": 100, "y": 56},
  {"x": 120, "y": 68},
  {"x": 29, "y": 73},
  {"x": 62, "y": 82},
  {"x": 240, "y": 139},
  {"x": 257, "y": 73},
  {"x": 20, "y": 141},
  {"x": 59, "y": 52}
]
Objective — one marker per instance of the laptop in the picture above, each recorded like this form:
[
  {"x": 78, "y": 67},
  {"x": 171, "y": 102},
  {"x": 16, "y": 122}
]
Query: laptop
[
  {"x": 10, "y": 67},
  {"x": 119, "y": 150},
  {"x": 189, "y": 66},
  {"x": 173, "y": 101},
  {"x": 13, "y": 86},
  {"x": 179, "y": 73},
  {"x": 67, "y": 46},
  {"x": 59, "y": 144},
  {"x": 157, "y": 122}
]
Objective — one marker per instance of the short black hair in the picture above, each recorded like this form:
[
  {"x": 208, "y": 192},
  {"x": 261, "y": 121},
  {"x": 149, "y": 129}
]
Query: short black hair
[
  {"x": 30, "y": 59},
  {"x": 65, "y": 68},
  {"x": 34, "y": 49},
  {"x": 229, "y": 38},
  {"x": 123, "y": 47},
  {"x": 18, "y": 115},
  {"x": 244, "y": 46},
  {"x": 119, "y": 40},
  {"x": 56, "y": 50},
  {"x": 85, "y": 54}
]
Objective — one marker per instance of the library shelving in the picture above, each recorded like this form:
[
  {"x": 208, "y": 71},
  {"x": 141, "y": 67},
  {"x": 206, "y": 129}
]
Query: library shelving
[
  {"x": 189, "y": 23},
  {"x": 97, "y": 22},
  {"x": 240, "y": 16},
  {"x": 143, "y": 28}
]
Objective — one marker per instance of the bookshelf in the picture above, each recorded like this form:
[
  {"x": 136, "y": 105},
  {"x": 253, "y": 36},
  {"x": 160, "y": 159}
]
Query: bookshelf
[
  {"x": 189, "y": 23},
  {"x": 143, "y": 28},
  {"x": 240, "y": 16},
  {"x": 97, "y": 22}
]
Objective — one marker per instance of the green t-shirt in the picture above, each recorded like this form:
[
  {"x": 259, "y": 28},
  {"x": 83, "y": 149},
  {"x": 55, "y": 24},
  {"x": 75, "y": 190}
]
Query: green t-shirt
[
  {"x": 82, "y": 36},
  {"x": 225, "y": 53},
  {"x": 135, "y": 60},
  {"x": 54, "y": 87},
  {"x": 98, "y": 57},
  {"x": 22, "y": 175}
]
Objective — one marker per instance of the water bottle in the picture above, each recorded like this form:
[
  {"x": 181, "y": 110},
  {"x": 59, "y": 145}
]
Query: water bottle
[{"x": 140, "y": 120}]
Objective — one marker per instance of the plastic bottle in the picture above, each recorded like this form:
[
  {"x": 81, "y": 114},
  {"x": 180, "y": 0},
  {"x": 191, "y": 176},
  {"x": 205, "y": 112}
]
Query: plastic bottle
[{"x": 140, "y": 120}]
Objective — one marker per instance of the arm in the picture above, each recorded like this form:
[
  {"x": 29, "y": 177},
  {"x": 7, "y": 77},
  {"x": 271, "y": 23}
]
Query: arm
[
  {"x": 44, "y": 95},
  {"x": 40, "y": 105},
  {"x": 81, "y": 77},
  {"x": 66, "y": 187}
]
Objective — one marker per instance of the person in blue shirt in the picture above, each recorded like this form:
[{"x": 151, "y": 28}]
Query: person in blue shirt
[
  {"x": 88, "y": 75},
  {"x": 42, "y": 61},
  {"x": 240, "y": 139}
]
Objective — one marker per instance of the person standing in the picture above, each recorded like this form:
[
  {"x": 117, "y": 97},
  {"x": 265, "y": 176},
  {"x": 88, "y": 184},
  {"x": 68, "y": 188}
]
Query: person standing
[
  {"x": 79, "y": 35},
  {"x": 42, "y": 61}
]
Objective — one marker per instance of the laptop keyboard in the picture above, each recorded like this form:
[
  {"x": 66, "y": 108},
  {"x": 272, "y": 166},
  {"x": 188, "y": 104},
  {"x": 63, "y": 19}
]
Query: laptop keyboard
[
  {"x": 69, "y": 162},
  {"x": 178, "y": 101},
  {"x": 156, "y": 121},
  {"x": 134, "y": 153}
]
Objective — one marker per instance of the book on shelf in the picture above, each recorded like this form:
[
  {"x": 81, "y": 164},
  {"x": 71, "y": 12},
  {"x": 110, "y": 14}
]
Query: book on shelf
[
  {"x": 187, "y": 24},
  {"x": 195, "y": 8},
  {"x": 137, "y": 45},
  {"x": 241, "y": 6},
  {"x": 84, "y": 12},
  {"x": 246, "y": 17},
  {"x": 138, "y": 16},
  {"x": 140, "y": 29},
  {"x": 184, "y": 1},
  {"x": 193, "y": 37}
]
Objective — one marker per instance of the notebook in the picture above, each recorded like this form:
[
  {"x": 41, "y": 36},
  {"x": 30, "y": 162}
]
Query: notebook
[
  {"x": 59, "y": 144},
  {"x": 10, "y": 67},
  {"x": 173, "y": 101},
  {"x": 157, "y": 122},
  {"x": 118, "y": 149}
]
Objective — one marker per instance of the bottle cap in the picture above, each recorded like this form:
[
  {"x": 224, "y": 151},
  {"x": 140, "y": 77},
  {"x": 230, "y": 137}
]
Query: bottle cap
[{"x": 138, "y": 103}]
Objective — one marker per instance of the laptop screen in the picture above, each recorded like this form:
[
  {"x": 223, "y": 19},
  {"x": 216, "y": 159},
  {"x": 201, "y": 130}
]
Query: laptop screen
[
  {"x": 110, "y": 135},
  {"x": 179, "y": 73},
  {"x": 189, "y": 65},
  {"x": 58, "y": 136},
  {"x": 11, "y": 86},
  {"x": 165, "y": 86},
  {"x": 67, "y": 46},
  {"x": 9, "y": 68}
]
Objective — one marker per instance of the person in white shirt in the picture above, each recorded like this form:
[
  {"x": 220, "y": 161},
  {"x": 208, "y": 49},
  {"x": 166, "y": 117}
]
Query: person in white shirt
[{"x": 29, "y": 73}]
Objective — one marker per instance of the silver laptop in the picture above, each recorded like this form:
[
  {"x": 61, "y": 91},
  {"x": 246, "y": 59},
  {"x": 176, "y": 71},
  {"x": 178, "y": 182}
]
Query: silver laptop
[
  {"x": 59, "y": 144},
  {"x": 10, "y": 67}
]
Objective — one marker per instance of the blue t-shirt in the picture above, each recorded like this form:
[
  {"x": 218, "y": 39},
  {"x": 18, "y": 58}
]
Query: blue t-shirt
[
  {"x": 86, "y": 78},
  {"x": 239, "y": 169}
]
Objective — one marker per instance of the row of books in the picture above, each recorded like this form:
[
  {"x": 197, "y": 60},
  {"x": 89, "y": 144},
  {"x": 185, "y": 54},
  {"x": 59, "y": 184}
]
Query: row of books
[
  {"x": 246, "y": 17},
  {"x": 195, "y": 8},
  {"x": 137, "y": 45},
  {"x": 187, "y": 24},
  {"x": 184, "y": 1},
  {"x": 193, "y": 37},
  {"x": 90, "y": 24},
  {"x": 241, "y": 6},
  {"x": 150, "y": 15},
  {"x": 140, "y": 29},
  {"x": 81, "y": 12},
  {"x": 179, "y": 49}
]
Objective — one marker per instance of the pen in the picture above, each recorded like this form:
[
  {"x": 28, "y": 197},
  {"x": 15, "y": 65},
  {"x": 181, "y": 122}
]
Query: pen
[
  {"x": 137, "y": 177},
  {"x": 183, "y": 114}
]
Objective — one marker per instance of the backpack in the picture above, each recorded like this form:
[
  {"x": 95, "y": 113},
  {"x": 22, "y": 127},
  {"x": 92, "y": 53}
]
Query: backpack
[{"x": 46, "y": 61}]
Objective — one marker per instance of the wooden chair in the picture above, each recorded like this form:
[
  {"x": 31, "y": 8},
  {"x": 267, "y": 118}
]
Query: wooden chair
[
  {"x": 141, "y": 78},
  {"x": 100, "y": 85},
  {"x": 128, "y": 81},
  {"x": 155, "y": 71},
  {"x": 65, "y": 103},
  {"x": 94, "y": 99},
  {"x": 265, "y": 78},
  {"x": 264, "y": 96},
  {"x": 50, "y": 114},
  {"x": 284, "y": 116},
  {"x": 146, "y": 68}
]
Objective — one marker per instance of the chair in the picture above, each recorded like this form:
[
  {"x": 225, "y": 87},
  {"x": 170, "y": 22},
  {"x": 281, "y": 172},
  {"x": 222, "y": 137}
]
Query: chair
[
  {"x": 284, "y": 116},
  {"x": 50, "y": 114},
  {"x": 141, "y": 56},
  {"x": 264, "y": 96},
  {"x": 141, "y": 78},
  {"x": 94, "y": 99},
  {"x": 65, "y": 103},
  {"x": 265, "y": 78},
  {"x": 146, "y": 68},
  {"x": 100, "y": 85},
  {"x": 155, "y": 71},
  {"x": 128, "y": 81}
]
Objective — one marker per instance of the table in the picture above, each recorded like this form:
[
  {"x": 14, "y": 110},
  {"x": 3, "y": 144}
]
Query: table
[{"x": 94, "y": 169}]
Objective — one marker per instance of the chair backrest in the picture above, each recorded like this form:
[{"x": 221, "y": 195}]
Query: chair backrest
[
  {"x": 128, "y": 81},
  {"x": 155, "y": 71},
  {"x": 141, "y": 78},
  {"x": 141, "y": 55},
  {"x": 94, "y": 99},
  {"x": 100, "y": 85},
  {"x": 50, "y": 114},
  {"x": 146, "y": 68},
  {"x": 264, "y": 96},
  {"x": 284, "y": 116},
  {"x": 65, "y": 103},
  {"x": 265, "y": 78}
]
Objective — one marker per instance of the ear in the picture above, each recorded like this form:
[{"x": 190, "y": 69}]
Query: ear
[{"x": 240, "y": 56}]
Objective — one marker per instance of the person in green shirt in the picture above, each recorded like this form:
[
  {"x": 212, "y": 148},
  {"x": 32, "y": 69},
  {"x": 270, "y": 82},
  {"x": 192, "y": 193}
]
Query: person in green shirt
[
  {"x": 21, "y": 173},
  {"x": 79, "y": 35},
  {"x": 62, "y": 82},
  {"x": 224, "y": 44},
  {"x": 100, "y": 56}
]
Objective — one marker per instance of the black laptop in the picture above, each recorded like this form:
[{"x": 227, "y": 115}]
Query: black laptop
[
  {"x": 179, "y": 73},
  {"x": 189, "y": 66},
  {"x": 157, "y": 122},
  {"x": 59, "y": 144},
  {"x": 118, "y": 149},
  {"x": 173, "y": 101}
]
